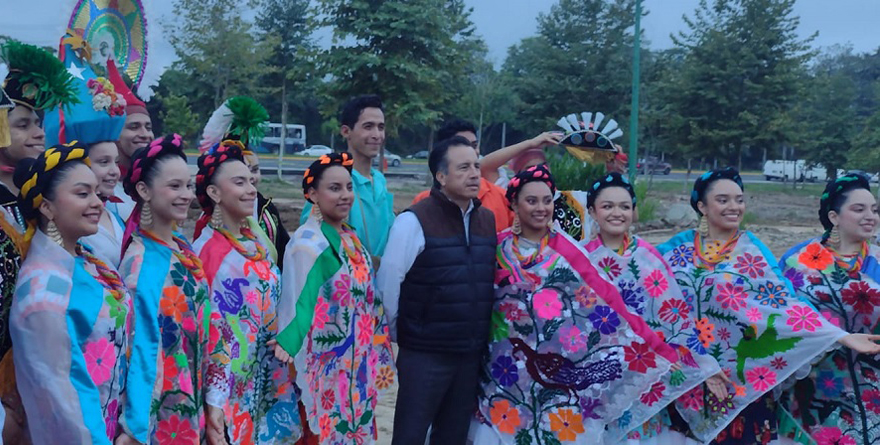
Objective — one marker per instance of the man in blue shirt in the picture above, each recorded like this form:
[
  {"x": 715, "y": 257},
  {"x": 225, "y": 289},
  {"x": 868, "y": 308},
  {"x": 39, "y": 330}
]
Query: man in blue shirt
[{"x": 372, "y": 213}]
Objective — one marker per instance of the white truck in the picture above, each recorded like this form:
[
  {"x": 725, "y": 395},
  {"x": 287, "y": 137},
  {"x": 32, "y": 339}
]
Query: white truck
[{"x": 794, "y": 170}]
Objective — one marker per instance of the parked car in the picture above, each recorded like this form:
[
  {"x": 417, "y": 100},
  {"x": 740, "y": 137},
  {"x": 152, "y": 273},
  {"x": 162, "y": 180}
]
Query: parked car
[
  {"x": 653, "y": 165},
  {"x": 392, "y": 159},
  {"x": 316, "y": 150},
  {"x": 419, "y": 155},
  {"x": 871, "y": 178}
]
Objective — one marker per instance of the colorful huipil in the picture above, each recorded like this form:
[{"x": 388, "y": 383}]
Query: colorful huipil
[
  {"x": 566, "y": 357},
  {"x": 649, "y": 289},
  {"x": 333, "y": 324},
  {"x": 841, "y": 396},
  {"x": 71, "y": 337},
  {"x": 10, "y": 261},
  {"x": 751, "y": 321},
  {"x": 165, "y": 397},
  {"x": 255, "y": 389}
]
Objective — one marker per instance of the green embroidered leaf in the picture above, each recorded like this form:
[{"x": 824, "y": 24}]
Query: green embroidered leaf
[
  {"x": 634, "y": 269},
  {"x": 720, "y": 316},
  {"x": 561, "y": 275},
  {"x": 343, "y": 427},
  {"x": 677, "y": 378},
  {"x": 365, "y": 419},
  {"x": 716, "y": 351},
  {"x": 593, "y": 339},
  {"x": 547, "y": 394},
  {"x": 500, "y": 329},
  {"x": 357, "y": 292},
  {"x": 328, "y": 339},
  {"x": 549, "y": 438},
  {"x": 523, "y": 438},
  {"x": 654, "y": 323},
  {"x": 523, "y": 329},
  {"x": 839, "y": 276},
  {"x": 551, "y": 327}
]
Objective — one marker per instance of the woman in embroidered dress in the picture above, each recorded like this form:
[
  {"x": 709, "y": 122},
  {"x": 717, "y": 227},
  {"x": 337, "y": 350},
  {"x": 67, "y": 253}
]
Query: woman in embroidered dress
[
  {"x": 165, "y": 393},
  {"x": 747, "y": 316},
  {"x": 249, "y": 393},
  {"x": 71, "y": 314},
  {"x": 566, "y": 358},
  {"x": 107, "y": 242},
  {"x": 331, "y": 320},
  {"x": 648, "y": 288},
  {"x": 839, "y": 273}
]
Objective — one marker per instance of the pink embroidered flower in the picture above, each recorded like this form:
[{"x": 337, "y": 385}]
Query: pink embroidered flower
[
  {"x": 585, "y": 297},
  {"x": 831, "y": 435},
  {"x": 251, "y": 297},
  {"x": 752, "y": 266},
  {"x": 831, "y": 318},
  {"x": 186, "y": 384},
  {"x": 328, "y": 399},
  {"x": 673, "y": 310},
  {"x": 512, "y": 312},
  {"x": 754, "y": 315},
  {"x": 176, "y": 431},
  {"x": 731, "y": 296},
  {"x": 572, "y": 339},
  {"x": 99, "y": 360},
  {"x": 761, "y": 378},
  {"x": 325, "y": 425},
  {"x": 802, "y": 318},
  {"x": 610, "y": 267},
  {"x": 693, "y": 399},
  {"x": 342, "y": 290},
  {"x": 871, "y": 397},
  {"x": 321, "y": 317},
  {"x": 655, "y": 283},
  {"x": 189, "y": 324},
  {"x": 547, "y": 304},
  {"x": 364, "y": 329},
  {"x": 654, "y": 394}
]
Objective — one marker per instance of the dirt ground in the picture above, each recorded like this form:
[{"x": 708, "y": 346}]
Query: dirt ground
[{"x": 780, "y": 217}]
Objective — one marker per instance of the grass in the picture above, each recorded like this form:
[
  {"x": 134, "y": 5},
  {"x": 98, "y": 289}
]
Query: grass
[{"x": 647, "y": 207}]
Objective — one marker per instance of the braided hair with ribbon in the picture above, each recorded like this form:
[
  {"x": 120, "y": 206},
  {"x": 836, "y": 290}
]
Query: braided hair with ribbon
[
  {"x": 607, "y": 181},
  {"x": 537, "y": 173},
  {"x": 143, "y": 166},
  {"x": 312, "y": 175},
  {"x": 209, "y": 163},
  {"x": 37, "y": 178},
  {"x": 701, "y": 185},
  {"x": 835, "y": 195}
]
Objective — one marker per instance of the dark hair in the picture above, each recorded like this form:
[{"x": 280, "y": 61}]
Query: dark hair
[
  {"x": 312, "y": 176},
  {"x": 352, "y": 109},
  {"x": 451, "y": 128},
  {"x": 209, "y": 164},
  {"x": 146, "y": 160},
  {"x": 835, "y": 195},
  {"x": 47, "y": 184},
  {"x": 703, "y": 184},
  {"x": 612, "y": 179},
  {"x": 438, "y": 161}
]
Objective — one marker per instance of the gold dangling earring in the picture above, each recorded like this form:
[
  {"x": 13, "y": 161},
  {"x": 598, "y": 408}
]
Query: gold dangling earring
[
  {"x": 704, "y": 226},
  {"x": 551, "y": 225},
  {"x": 146, "y": 215},
  {"x": 834, "y": 238},
  {"x": 516, "y": 228},
  {"x": 316, "y": 213},
  {"x": 53, "y": 233},
  {"x": 217, "y": 217}
]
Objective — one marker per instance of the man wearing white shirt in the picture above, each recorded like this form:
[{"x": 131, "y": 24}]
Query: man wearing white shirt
[{"x": 437, "y": 280}]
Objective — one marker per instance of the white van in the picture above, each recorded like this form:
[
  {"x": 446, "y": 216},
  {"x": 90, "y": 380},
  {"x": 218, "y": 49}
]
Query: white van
[{"x": 789, "y": 170}]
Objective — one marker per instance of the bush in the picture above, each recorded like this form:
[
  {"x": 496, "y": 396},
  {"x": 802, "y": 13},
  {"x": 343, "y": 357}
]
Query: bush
[
  {"x": 647, "y": 208},
  {"x": 572, "y": 174}
]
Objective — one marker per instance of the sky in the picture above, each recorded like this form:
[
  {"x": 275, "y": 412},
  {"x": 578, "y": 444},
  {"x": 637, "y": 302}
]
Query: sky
[{"x": 501, "y": 23}]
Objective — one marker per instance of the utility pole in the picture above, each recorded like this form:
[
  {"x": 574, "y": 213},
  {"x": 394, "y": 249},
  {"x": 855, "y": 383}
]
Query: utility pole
[{"x": 634, "y": 113}]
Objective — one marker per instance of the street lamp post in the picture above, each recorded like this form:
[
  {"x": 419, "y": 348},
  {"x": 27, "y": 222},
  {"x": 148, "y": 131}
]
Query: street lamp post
[{"x": 634, "y": 113}]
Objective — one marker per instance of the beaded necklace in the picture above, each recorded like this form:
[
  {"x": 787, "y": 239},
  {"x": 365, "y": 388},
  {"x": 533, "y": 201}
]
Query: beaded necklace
[
  {"x": 709, "y": 260},
  {"x": 536, "y": 256},
  {"x": 848, "y": 264},
  {"x": 108, "y": 277},
  {"x": 185, "y": 254},
  {"x": 259, "y": 255}
]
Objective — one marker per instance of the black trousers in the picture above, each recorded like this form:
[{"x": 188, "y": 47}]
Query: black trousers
[{"x": 437, "y": 390}]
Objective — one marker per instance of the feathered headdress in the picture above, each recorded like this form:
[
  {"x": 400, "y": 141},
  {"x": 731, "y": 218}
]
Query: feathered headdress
[
  {"x": 36, "y": 79},
  {"x": 240, "y": 118},
  {"x": 585, "y": 141}
]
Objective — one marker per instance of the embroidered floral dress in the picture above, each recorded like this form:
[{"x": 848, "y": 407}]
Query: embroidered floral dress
[
  {"x": 840, "y": 398},
  {"x": 750, "y": 320},
  {"x": 172, "y": 314},
  {"x": 332, "y": 322},
  {"x": 649, "y": 290},
  {"x": 71, "y": 338},
  {"x": 566, "y": 357},
  {"x": 255, "y": 389}
]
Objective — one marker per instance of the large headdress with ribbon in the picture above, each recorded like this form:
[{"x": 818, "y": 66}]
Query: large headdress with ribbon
[
  {"x": 584, "y": 139},
  {"x": 100, "y": 114},
  {"x": 240, "y": 118}
]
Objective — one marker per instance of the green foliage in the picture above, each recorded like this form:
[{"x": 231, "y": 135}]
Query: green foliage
[
  {"x": 570, "y": 173},
  {"x": 177, "y": 117},
  {"x": 31, "y": 64},
  {"x": 647, "y": 207}
]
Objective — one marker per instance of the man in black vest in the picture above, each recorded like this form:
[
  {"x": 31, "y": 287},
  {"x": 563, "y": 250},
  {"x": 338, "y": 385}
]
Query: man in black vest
[{"x": 437, "y": 283}]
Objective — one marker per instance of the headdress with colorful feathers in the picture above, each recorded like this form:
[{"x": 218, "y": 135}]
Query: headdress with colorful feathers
[
  {"x": 36, "y": 78},
  {"x": 585, "y": 141},
  {"x": 240, "y": 118}
]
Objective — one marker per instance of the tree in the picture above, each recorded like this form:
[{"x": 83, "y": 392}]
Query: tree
[
  {"x": 217, "y": 49},
  {"x": 741, "y": 72},
  {"x": 410, "y": 53},
  {"x": 177, "y": 117}
]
